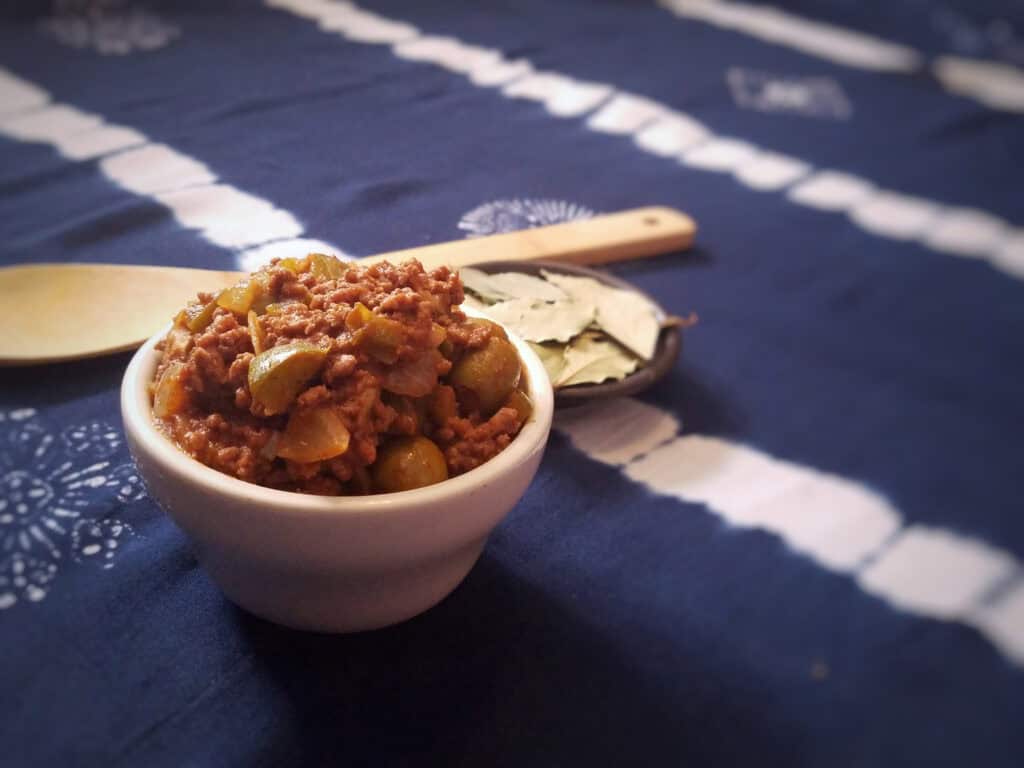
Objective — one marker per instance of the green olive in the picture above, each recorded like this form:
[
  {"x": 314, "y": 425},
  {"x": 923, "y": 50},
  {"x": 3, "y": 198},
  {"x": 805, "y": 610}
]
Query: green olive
[
  {"x": 239, "y": 297},
  {"x": 326, "y": 267},
  {"x": 405, "y": 463},
  {"x": 490, "y": 373},
  {"x": 197, "y": 316},
  {"x": 379, "y": 337},
  {"x": 295, "y": 265},
  {"x": 279, "y": 374}
]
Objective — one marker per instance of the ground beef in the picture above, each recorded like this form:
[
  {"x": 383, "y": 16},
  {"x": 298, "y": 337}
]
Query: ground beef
[
  {"x": 472, "y": 444},
  {"x": 233, "y": 447},
  {"x": 470, "y": 335},
  {"x": 381, "y": 374}
]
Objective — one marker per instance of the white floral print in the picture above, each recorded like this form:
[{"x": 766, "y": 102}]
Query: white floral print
[
  {"x": 96, "y": 541},
  {"x": 508, "y": 215},
  {"x": 26, "y": 578},
  {"x": 997, "y": 38},
  {"x": 56, "y": 492},
  {"x": 820, "y": 97},
  {"x": 108, "y": 27}
]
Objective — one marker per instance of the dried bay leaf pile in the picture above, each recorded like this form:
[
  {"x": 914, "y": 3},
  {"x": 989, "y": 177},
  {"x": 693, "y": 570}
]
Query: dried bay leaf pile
[{"x": 584, "y": 331}]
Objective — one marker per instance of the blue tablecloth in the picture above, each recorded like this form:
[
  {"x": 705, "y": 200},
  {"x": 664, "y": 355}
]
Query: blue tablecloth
[{"x": 803, "y": 547}]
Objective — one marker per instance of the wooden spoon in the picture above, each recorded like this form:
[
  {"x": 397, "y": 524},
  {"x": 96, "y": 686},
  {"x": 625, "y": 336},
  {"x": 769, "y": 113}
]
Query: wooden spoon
[{"x": 56, "y": 312}]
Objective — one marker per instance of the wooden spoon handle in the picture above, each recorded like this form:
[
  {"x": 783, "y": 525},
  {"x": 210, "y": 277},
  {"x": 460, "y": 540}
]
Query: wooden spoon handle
[
  {"x": 56, "y": 312},
  {"x": 622, "y": 236}
]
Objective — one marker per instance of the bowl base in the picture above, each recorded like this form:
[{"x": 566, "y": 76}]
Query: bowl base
[{"x": 344, "y": 601}]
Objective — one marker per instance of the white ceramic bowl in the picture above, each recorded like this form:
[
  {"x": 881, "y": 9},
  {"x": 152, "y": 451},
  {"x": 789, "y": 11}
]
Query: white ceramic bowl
[{"x": 332, "y": 564}]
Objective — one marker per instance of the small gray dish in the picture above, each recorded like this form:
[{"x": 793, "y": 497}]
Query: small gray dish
[{"x": 670, "y": 342}]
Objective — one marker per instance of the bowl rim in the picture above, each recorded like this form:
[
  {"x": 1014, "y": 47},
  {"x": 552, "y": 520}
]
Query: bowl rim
[{"x": 136, "y": 412}]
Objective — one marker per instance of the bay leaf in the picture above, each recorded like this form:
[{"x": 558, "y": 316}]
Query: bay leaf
[
  {"x": 626, "y": 316},
  {"x": 592, "y": 358},
  {"x": 503, "y": 286},
  {"x": 553, "y": 357},
  {"x": 541, "y": 321},
  {"x": 479, "y": 284}
]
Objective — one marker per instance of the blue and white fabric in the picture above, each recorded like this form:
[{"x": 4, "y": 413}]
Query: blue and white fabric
[{"x": 803, "y": 547}]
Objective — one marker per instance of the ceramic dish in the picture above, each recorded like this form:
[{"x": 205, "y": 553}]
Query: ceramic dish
[
  {"x": 670, "y": 341},
  {"x": 333, "y": 564}
]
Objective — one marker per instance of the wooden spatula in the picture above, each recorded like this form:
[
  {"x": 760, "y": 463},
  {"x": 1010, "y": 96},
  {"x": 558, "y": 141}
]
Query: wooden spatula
[{"x": 56, "y": 312}]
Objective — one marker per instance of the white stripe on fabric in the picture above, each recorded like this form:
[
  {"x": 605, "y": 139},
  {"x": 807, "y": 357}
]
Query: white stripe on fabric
[
  {"x": 661, "y": 131},
  {"x": 966, "y": 231},
  {"x": 223, "y": 215},
  {"x": 560, "y": 94},
  {"x": 826, "y": 41},
  {"x": 75, "y": 134},
  {"x": 832, "y": 191},
  {"x": 834, "y": 521},
  {"x": 229, "y": 217},
  {"x": 359, "y": 25},
  {"x": 54, "y": 124},
  {"x": 771, "y": 171},
  {"x": 1002, "y": 621},
  {"x": 994, "y": 84},
  {"x": 624, "y": 114},
  {"x": 448, "y": 53},
  {"x": 935, "y": 572},
  {"x": 719, "y": 154},
  {"x": 671, "y": 134},
  {"x": 1010, "y": 255},
  {"x": 899, "y": 217},
  {"x": 626, "y": 430},
  {"x": 499, "y": 72},
  {"x": 17, "y": 95},
  {"x": 839, "y": 524},
  {"x": 101, "y": 140},
  {"x": 155, "y": 168}
]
